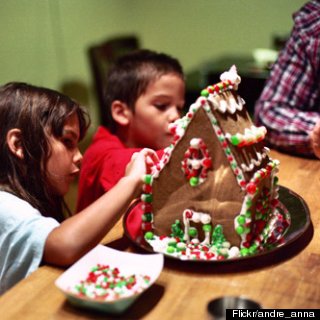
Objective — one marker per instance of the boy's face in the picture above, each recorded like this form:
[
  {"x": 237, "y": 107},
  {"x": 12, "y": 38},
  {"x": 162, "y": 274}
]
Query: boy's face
[{"x": 161, "y": 104}]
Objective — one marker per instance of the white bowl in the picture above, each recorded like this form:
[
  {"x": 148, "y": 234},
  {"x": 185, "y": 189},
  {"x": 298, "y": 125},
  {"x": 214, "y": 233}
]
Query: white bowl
[{"x": 128, "y": 264}]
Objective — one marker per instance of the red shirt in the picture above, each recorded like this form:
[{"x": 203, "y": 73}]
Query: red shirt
[{"x": 103, "y": 165}]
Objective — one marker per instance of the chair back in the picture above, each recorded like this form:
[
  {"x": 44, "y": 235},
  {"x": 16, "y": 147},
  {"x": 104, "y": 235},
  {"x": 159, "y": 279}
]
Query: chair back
[{"x": 101, "y": 57}]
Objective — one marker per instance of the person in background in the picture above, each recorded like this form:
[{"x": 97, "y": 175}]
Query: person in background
[
  {"x": 144, "y": 93},
  {"x": 289, "y": 106},
  {"x": 39, "y": 134}
]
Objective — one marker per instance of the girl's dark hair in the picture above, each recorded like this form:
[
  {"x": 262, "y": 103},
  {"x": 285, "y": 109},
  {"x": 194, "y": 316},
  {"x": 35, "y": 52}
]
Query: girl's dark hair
[
  {"x": 130, "y": 76},
  {"x": 36, "y": 112}
]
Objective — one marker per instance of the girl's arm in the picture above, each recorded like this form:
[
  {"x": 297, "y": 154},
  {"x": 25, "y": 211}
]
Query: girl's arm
[{"x": 80, "y": 233}]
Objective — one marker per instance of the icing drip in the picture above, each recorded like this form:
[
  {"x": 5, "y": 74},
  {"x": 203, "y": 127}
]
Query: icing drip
[
  {"x": 225, "y": 102},
  {"x": 253, "y": 162}
]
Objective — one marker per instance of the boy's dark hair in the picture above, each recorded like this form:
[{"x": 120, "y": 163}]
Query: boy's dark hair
[
  {"x": 37, "y": 112},
  {"x": 130, "y": 76}
]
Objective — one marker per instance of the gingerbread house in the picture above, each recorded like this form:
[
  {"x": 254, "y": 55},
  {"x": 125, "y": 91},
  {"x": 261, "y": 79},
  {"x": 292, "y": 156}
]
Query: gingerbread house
[{"x": 214, "y": 194}]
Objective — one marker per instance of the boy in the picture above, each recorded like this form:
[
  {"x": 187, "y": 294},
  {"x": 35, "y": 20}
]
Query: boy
[{"x": 145, "y": 93}]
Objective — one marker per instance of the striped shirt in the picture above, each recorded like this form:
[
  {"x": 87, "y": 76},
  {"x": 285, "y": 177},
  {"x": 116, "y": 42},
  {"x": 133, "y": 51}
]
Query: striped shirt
[{"x": 289, "y": 105}]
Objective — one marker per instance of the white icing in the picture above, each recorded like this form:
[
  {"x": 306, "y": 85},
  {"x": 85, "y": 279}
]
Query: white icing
[
  {"x": 231, "y": 75},
  {"x": 253, "y": 162},
  {"x": 225, "y": 102},
  {"x": 195, "y": 143},
  {"x": 194, "y": 163}
]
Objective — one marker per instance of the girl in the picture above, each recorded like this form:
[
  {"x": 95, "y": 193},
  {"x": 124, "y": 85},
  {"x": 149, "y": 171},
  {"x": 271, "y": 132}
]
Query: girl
[{"x": 39, "y": 134}]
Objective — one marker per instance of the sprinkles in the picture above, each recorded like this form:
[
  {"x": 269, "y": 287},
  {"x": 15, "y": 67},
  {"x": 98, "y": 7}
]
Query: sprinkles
[{"x": 106, "y": 283}]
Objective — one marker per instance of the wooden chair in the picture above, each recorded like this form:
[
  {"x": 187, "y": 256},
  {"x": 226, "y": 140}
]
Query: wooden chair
[{"x": 101, "y": 57}]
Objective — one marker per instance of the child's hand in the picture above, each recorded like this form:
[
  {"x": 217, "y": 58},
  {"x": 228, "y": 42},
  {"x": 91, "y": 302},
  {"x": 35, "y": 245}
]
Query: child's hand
[
  {"x": 140, "y": 163},
  {"x": 315, "y": 139}
]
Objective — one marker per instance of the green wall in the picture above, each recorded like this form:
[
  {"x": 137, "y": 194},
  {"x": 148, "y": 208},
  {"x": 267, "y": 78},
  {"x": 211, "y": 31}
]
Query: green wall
[{"x": 44, "y": 42}]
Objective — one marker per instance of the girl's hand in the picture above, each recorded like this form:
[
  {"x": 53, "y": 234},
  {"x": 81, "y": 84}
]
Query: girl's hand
[{"x": 141, "y": 163}]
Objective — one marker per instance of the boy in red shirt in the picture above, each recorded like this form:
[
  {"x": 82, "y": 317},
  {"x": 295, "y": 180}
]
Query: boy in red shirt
[{"x": 145, "y": 93}]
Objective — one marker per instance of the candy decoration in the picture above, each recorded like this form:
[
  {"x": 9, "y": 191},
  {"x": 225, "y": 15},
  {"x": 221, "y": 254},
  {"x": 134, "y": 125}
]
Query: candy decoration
[
  {"x": 149, "y": 235},
  {"x": 108, "y": 284},
  {"x": 176, "y": 229},
  {"x": 196, "y": 162}
]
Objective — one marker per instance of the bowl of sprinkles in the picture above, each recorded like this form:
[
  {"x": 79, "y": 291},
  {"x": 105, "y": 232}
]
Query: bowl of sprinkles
[{"x": 109, "y": 280}]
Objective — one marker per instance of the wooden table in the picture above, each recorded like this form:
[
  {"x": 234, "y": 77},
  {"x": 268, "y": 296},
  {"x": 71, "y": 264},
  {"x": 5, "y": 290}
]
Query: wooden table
[{"x": 290, "y": 279}]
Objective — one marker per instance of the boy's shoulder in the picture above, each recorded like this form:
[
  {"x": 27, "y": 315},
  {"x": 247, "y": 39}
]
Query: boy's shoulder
[
  {"x": 106, "y": 150},
  {"x": 102, "y": 143},
  {"x": 104, "y": 137}
]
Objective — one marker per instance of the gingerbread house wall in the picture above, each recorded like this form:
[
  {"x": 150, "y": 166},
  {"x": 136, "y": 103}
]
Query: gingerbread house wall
[{"x": 220, "y": 195}]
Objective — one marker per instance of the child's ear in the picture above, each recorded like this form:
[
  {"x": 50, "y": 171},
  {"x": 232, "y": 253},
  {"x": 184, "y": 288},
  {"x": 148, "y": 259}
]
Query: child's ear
[
  {"x": 14, "y": 142},
  {"x": 121, "y": 113}
]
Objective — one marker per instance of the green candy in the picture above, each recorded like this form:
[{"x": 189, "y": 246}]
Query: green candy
[
  {"x": 146, "y": 197},
  {"x": 204, "y": 93},
  {"x": 181, "y": 246},
  {"x": 244, "y": 252},
  {"x": 207, "y": 227},
  {"x": 147, "y": 217},
  {"x": 147, "y": 179},
  {"x": 194, "y": 181},
  {"x": 248, "y": 214},
  {"x": 171, "y": 249},
  {"x": 172, "y": 243},
  {"x": 193, "y": 232},
  {"x": 241, "y": 220},
  {"x": 253, "y": 249},
  {"x": 120, "y": 284},
  {"x": 240, "y": 230},
  {"x": 235, "y": 140},
  {"x": 94, "y": 269},
  {"x": 149, "y": 235},
  {"x": 233, "y": 165}
]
